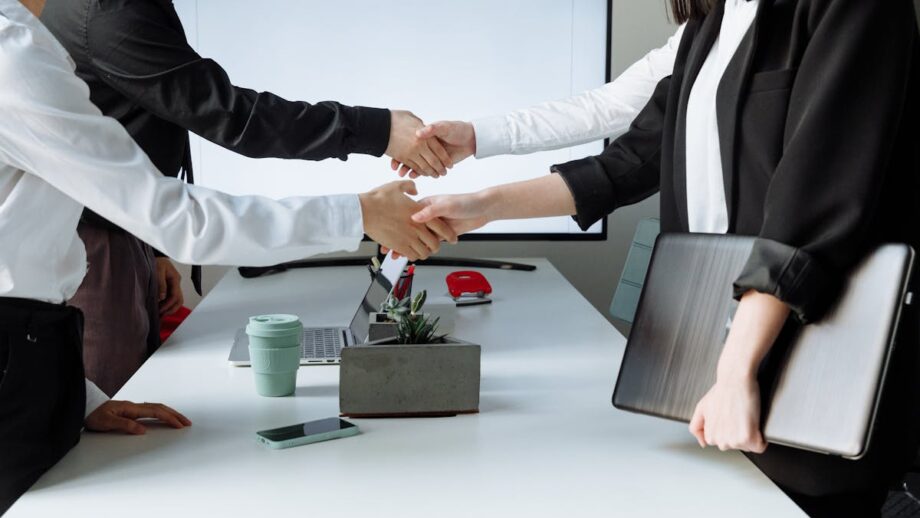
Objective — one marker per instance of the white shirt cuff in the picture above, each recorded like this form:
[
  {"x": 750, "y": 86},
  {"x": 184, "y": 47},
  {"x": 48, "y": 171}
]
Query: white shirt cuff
[
  {"x": 94, "y": 398},
  {"x": 492, "y": 137},
  {"x": 349, "y": 220}
]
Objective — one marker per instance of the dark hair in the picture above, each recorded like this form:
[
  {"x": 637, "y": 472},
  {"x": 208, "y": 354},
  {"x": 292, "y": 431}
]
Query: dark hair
[{"x": 684, "y": 10}]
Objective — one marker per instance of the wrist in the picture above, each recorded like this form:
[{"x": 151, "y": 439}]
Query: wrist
[
  {"x": 736, "y": 365},
  {"x": 364, "y": 200},
  {"x": 489, "y": 202}
]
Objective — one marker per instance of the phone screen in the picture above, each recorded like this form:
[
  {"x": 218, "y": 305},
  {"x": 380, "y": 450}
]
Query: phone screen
[{"x": 306, "y": 429}]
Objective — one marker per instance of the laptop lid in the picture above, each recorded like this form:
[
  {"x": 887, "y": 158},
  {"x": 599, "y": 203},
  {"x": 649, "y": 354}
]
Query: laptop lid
[
  {"x": 378, "y": 291},
  {"x": 821, "y": 383}
]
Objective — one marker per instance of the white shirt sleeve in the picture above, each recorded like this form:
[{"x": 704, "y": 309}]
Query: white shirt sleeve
[
  {"x": 52, "y": 130},
  {"x": 605, "y": 112},
  {"x": 95, "y": 397}
]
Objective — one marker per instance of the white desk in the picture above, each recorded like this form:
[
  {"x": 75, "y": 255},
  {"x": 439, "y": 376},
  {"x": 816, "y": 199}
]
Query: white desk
[{"x": 546, "y": 443}]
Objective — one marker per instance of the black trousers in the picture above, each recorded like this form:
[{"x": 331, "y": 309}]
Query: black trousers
[
  {"x": 42, "y": 391},
  {"x": 823, "y": 485}
]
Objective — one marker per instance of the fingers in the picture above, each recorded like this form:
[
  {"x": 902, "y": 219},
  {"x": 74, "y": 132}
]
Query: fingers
[
  {"x": 408, "y": 187},
  {"x": 120, "y": 424},
  {"x": 431, "y": 130},
  {"x": 162, "y": 284},
  {"x": 434, "y": 162},
  {"x": 697, "y": 426},
  {"x": 156, "y": 411},
  {"x": 758, "y": 445},
  {"x": 431, "y": 242},
  {"x": 438, "y": 148},
  {"x": 428, "y": 213},
  {"x": 394, "y": 164},
  {"x": 174, "y": 299},
  {"x": 444, "y": 231}
]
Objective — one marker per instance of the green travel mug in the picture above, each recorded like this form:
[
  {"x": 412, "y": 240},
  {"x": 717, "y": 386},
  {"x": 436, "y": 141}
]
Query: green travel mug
[{"x": 274, "y": 350}]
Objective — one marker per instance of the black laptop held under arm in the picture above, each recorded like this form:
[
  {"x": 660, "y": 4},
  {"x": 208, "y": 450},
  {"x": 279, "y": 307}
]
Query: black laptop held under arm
[{"x": 821, "y": 383}]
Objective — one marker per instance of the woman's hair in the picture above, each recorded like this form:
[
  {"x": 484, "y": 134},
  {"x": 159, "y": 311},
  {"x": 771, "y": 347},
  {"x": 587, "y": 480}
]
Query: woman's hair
[{"x": 684, "y": 10}]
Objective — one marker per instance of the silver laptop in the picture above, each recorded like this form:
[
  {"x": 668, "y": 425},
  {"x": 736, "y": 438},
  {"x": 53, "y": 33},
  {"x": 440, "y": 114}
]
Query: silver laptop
[
  {"x": 324, "y": 345},
  {"x": 821, "y": 383}
]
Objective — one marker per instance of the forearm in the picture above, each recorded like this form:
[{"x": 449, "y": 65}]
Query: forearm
[
  {"x": 604, "y": 112},
  {"x": 111, "y": 175},
  {"x": 757, "y": 323},
  {"x": 542, "y": 197}
]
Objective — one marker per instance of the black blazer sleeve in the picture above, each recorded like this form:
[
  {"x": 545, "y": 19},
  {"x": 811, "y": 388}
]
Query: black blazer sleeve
[
  {"x": 627, "y": 172},
  {"x": 842, "y": 120},
  {"x": 138, "y": 50}
]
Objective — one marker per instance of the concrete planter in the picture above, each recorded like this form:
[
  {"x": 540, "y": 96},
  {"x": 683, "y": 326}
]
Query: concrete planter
[{"x": 410, "y": 380}]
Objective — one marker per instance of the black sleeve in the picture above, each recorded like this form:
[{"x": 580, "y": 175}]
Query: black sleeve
[
  {"x": 843, "y": 117},
  {"x": 627, "y": 172},
  {"x": 139, "y": 50}
]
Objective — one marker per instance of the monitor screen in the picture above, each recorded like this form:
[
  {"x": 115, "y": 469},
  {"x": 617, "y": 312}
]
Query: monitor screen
[{"x": 442, "y": 59}]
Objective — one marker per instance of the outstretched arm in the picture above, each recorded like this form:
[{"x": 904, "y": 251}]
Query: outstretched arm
[
  {"x": 140, "y": 50},
  {"x": 542, "y": 197},
  {"x": 604, "y": 112}
]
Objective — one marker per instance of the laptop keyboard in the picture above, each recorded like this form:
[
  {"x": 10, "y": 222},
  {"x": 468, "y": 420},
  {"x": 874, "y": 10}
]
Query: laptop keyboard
[{"x": 322, "y": 343}]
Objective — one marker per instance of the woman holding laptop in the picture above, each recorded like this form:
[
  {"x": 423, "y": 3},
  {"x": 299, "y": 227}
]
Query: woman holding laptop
[{"x": 795, "y": 122}]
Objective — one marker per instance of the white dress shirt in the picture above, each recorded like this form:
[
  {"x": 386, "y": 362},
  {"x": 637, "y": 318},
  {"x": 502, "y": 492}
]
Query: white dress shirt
[
  {"x": 58, "y": 153},
  {"x": 605, "y": 112},
  {"x": 706, "y": 207}
]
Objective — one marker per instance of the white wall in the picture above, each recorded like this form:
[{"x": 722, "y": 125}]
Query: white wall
[{"x": 593, "y": 268}]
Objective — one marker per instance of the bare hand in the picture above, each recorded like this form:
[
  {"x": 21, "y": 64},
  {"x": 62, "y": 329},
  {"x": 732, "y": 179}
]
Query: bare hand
[
  {"x": 458, "y": 138},
  {"x": 169, "y": 282},
  {"x": 425, "y": 157},
  {"x": 388, "y": 212},
  {"x": 122, "y": 416},
  {"x": 728, "y": 417}
]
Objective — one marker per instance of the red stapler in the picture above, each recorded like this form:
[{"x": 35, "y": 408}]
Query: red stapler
[{"x": 469, "y": 288}]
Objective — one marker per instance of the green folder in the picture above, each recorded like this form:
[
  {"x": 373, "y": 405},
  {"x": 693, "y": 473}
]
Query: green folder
[{"x": 626, "y": 298}]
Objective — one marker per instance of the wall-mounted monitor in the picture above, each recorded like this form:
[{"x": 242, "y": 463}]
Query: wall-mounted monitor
[{"x": 442, "y": 59}]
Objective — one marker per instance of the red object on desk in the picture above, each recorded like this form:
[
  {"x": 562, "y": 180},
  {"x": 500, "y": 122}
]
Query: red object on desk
[
  {"x": 169, "y": 323},
  {"x": 468, "y": 283}
]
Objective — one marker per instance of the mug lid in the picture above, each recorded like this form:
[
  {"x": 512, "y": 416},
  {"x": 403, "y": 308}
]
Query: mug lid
[{"x": 274, "y": 325}]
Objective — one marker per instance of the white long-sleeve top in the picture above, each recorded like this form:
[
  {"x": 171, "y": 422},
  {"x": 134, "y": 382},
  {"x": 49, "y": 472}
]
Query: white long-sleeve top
[
  {"x": 605, "y": 112},
  {"x": 58, "y": 153}
]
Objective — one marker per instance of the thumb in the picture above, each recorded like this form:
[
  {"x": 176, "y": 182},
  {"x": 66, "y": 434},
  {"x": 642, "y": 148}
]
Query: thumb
[
  {"x": 428, "y": 213},
  {"x": 408, "y": 187},
  {"x": 697, "y": 426},
  {"x": 438, "y": 129}
]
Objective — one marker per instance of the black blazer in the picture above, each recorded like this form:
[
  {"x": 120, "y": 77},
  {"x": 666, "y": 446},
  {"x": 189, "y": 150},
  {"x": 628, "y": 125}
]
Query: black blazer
[
  {"x": 141, "y": 70},
  {"x": 818, "y": 118}
]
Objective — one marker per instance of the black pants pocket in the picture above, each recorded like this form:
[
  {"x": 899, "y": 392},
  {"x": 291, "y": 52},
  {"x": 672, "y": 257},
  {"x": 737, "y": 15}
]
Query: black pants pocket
[{"x": 42, "y": 399}]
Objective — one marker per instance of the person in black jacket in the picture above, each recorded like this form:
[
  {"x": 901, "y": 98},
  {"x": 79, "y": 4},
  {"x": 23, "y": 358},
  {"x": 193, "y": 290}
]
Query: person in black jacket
[
  {"x": 141, "y": 70},
  {"x": 805, "y": 116}
]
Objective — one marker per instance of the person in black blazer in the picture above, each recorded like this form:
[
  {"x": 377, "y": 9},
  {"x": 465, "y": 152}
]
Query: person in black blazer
[{"x": 817, "y": 118}]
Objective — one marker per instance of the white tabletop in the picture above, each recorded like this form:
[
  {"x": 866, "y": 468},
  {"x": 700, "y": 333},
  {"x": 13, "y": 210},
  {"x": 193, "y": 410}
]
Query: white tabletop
[{"x": 546, "y": 443}]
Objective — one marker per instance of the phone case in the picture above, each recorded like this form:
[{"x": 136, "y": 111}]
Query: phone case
[{"x": 309, "y": 439}]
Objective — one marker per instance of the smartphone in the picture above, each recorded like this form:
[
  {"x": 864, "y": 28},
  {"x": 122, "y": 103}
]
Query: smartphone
[{"x": 307, "y": 433}]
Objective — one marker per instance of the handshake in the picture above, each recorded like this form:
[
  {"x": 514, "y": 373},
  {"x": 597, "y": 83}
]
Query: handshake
[{"x": 417, "y": 229}]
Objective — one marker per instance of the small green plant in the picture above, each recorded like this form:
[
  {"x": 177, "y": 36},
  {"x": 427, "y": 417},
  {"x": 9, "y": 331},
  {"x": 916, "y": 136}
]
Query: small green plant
[{"x": 412, "y": 327}]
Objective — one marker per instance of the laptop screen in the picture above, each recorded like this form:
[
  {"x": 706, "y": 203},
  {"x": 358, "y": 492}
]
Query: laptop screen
[{"x": 376, "y": 295}]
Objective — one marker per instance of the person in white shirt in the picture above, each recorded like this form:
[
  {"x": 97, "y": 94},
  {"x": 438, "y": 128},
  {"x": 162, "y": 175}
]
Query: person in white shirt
[
  {"x": 605, "y": 112},
  {"x": 58, "y": 154}
]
